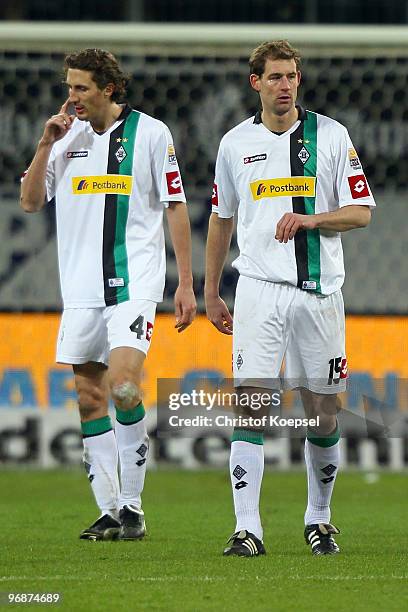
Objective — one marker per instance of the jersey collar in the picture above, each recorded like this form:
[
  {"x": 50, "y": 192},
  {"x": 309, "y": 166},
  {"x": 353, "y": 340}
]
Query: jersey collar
[
  {"x": 126, "y": 110},
  {"x": 301, "y": 115}
]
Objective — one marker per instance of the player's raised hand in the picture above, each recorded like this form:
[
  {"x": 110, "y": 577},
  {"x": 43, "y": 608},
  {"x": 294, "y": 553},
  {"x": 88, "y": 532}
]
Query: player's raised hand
[
  {"x": 58, "y": 125},
  {"x": 185, "y": 307},
  {"x": 218, "y": 314}
]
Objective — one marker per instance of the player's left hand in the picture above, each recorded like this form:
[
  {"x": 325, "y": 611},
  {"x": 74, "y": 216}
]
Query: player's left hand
[
  {"x": 291, "y": 223},
  {"x": 185, "y": 307}
]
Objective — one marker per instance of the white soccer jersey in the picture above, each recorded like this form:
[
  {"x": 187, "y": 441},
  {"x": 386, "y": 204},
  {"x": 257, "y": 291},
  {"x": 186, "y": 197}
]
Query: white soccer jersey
[
  {"x": 311, "y": 168},
  {"x": 109, "y": 191}
]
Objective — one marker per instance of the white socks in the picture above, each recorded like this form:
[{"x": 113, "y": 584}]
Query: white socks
[
  {"x": 102, "y": 446},
  {"x": 246, "y": 471},
  {"x": 322, "y": 465},
  {"x": 133, "y": 446},
  {"x": 101, "y": 463}
]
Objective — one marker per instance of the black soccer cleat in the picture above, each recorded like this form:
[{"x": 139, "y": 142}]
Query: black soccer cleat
[
  {"x": 244, "y": 544},
  {"x": 320, "y": 538},
  {"x": 132, "y": 523},
  {"x": 105, "y": 528}
]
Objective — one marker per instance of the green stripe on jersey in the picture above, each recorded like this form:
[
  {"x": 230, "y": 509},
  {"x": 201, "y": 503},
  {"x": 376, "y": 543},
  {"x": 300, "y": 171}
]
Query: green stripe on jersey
[
  {"x": 125, "y": 167},
  {"x": 310, "y": 169}
]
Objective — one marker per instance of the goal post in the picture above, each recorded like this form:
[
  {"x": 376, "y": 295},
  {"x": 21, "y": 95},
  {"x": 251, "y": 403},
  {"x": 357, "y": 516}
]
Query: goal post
[{"x": 354, "y": 40}]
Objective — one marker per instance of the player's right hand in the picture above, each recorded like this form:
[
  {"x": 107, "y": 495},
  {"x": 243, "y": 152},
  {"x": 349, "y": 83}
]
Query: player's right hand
[
  {"x": 219, "y": 315},
  {"x": 58, "y": 125}
]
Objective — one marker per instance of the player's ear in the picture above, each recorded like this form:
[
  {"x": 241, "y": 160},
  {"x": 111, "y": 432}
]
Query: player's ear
[
  {"x": 299, "y": 77},
  {"x": 109, "y": 89},
  {"x": 254, "y": 80}
]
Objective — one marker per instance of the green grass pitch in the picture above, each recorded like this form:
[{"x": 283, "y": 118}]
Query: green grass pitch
[{"x": 179, "y": 566}]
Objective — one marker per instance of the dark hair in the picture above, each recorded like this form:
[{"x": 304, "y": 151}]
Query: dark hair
[
  {"x": 104, "y": 67},
  {"x": 275, "y": 50}
]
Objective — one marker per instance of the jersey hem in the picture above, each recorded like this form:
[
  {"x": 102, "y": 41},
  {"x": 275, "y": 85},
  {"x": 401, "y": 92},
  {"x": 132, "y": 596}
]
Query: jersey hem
[
  {"x": 286, "y": 282},
  {"x": 157, "y": 298}
]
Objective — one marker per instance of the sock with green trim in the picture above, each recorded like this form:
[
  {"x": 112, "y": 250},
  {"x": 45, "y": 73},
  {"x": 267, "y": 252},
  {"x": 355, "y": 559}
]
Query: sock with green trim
[
  {"x": 322, "y": 456},
  {"x": 246, "y": 471},
  {"x": 101, "y": 463},
  {"x": 133, "y": 446}
]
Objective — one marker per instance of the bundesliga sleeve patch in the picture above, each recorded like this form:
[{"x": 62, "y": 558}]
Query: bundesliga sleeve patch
[
  {"x": 214, "y": 197},
  {"x": 358, "y": 186},
  {"x": 173, "y": 182}
]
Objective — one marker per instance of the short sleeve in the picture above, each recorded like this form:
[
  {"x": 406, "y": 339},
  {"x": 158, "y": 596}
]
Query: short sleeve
[
  {"x": 351, "y": 183},
  {"x": 224, "y": 199},
  {"x": 166, "y": 172}
]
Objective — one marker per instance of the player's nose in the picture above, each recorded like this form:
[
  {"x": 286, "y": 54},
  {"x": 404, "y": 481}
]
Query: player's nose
[
  {"x": 285, "y": 84},
  {"x": 73, "y": 97}
]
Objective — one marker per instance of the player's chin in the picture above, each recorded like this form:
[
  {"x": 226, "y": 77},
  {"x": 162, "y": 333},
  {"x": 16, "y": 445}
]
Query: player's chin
[
  {"x": 283, "y": 106},
  {"x": 81, "y": 115}
]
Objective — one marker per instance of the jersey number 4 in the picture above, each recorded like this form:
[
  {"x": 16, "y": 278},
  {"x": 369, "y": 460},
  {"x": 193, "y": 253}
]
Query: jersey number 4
[{"x": 138, "y": 328}]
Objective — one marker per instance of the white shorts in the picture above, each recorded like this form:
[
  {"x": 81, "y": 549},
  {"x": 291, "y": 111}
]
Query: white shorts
[
  {"x": 276, "y": 324},
  {"x": 89, "y": 334}
]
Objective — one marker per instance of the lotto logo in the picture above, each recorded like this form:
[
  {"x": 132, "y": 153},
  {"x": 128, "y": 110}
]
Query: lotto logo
[
  {"x": 214, "y": 197},
  {"x": 358, "y": 186},
  {"x": 74, "y": 154},
  {"x": 173, "y": 182}
]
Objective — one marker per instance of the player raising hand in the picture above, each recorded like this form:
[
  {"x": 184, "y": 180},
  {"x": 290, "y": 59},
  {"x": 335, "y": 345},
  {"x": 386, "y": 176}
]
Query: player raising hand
[{"x": 112, "y": 171}]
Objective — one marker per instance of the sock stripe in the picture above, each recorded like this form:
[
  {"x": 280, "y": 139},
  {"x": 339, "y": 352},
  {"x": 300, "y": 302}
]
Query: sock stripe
[
  {"x": 246, "y": 435},
  {"x": 324, "y": 441},
  {"x": 130, "y": 417},
  {"x": 96, "y": 427}
]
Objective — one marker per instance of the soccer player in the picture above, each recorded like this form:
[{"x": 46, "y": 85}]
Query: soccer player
[
  {"x": 296, "y": 182},
  {"x": 111, "y": 170}
]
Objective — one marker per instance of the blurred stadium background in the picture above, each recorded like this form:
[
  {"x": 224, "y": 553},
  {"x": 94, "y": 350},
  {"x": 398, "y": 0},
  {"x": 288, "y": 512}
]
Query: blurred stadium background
[{"x": 193, "y": 76}]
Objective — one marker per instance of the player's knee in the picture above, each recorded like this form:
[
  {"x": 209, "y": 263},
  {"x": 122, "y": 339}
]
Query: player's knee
[{"x": 125, "y": 394}]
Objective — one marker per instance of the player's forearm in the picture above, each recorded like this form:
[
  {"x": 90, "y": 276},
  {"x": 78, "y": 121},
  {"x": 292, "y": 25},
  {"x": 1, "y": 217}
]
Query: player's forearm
[
  {"x": 218, "y": 244},
  {"x": 180, "y": 234},
  {"x": 33, "y": 190},
  {"x": 344, "y": 219}
]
